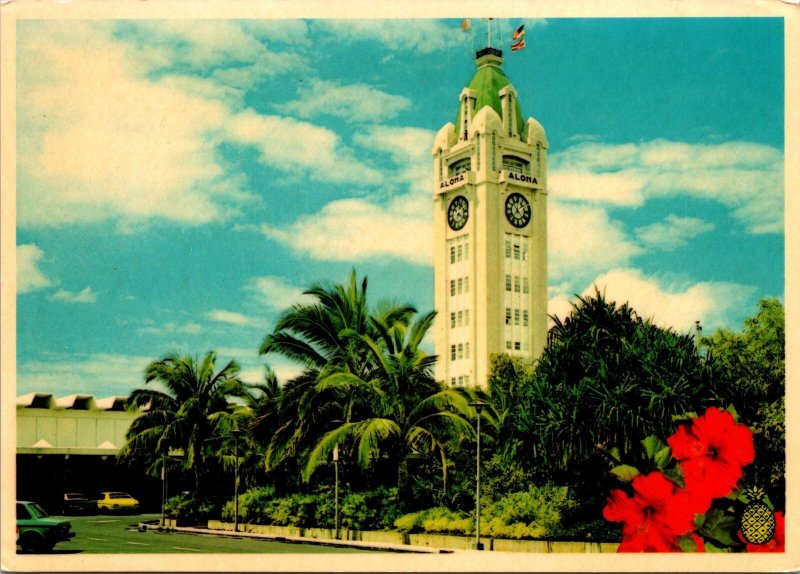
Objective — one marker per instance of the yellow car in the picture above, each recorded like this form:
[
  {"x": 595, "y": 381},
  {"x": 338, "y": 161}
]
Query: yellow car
[{"x": 117, "y": 501}]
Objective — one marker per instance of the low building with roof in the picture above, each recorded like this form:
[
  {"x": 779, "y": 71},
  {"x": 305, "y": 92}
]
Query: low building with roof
[{"x": 71, "y": 443}]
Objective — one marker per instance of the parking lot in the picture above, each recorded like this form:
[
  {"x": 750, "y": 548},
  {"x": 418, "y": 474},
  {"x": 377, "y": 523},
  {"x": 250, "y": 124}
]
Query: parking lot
[{"x": 119, "y": 534}]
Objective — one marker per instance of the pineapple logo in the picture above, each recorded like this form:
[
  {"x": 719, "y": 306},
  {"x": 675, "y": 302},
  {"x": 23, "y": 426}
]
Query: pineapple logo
[{"x": 757, "y": 522}]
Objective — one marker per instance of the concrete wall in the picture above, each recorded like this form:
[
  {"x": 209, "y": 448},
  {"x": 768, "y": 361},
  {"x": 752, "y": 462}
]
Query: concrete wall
[
  {"x": 429, "y": 540},
  {"x": 69, "y": 431}
]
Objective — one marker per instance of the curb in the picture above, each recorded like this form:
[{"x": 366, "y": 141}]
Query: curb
[{"x": 402, "y": 548}]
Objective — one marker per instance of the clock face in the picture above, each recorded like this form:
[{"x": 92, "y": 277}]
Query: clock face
[
  {"x": 518, "y": 210},
  {"x": 458, "y": 213}
]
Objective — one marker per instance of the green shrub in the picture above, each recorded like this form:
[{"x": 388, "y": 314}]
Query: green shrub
[
  {"x": 368, "y": 510},
  {"x": 251, "y": 505},
  {"x": 438, "y": 519},
  {"x": 535, "y": 513},
  {"x": 188, "y": 510},
  {"x": 538, "y": 512}
]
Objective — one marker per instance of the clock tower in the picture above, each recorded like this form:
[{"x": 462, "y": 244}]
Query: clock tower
[{"x": 490, "y": 229}]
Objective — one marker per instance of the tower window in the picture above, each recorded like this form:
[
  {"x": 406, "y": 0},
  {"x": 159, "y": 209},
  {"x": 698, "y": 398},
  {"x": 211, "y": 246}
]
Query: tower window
[
  {"x": 452, "y": 254},
  {"x": 508, "y": 283},
  {"x": 460, "y": 166},
  {"x": 466, "y": 317},
  {"x": 466, "y": 252},
  {"x": 524, "y": 251},
  {"x": 516, "y": 345},
  {"x": 466, "y": 350},
  {"x": 453, "y": 381},
  {"x": 516, "y": 251},
  {"x": 508, "y": 249},
  {"x": 466, "y": 379},
  {"x": 452, "y": 320},
  {"x": 461, "y": 381},
  {"x": 466, "y": 284},
  {"x": 460, "y": 285},
  {"x": 516, "y": 283},
  {"x": 508, "y": 344},
  {"x": 508, "y": 315},
  {"x": 452, "y": 286},
  {"x": 460, "y": 252},
  {"x": 452, "y": 352},
  {"x": 460, "y": 318},
  {"x": 524, "y": 284},
  {"x": 460, "y": 351},
  {"x": 516, "y": 316},
  {"x": 517, "y": 164},
  {"x": 525, "y": 318}
]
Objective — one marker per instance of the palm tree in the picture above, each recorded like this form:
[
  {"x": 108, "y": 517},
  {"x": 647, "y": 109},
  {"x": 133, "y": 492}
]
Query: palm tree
[
  {"x": 368, "y": 386},
  {"x": 187, "y": 413}
]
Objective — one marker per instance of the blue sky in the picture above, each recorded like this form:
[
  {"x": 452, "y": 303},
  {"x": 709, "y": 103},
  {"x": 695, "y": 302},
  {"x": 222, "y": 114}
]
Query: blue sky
[{"x": 179, "y": 192}]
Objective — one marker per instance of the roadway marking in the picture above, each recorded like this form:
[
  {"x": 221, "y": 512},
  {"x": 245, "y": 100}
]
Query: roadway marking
[
  {"x": 189, "y": 549},
  {"x": 138, "y": 543},
  {"x": 98, "y": 539}
]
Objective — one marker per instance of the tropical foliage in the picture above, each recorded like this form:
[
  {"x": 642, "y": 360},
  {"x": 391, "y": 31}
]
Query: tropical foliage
[
  {"x": 186, "y": 412},
  {"x": 607, "y": 380},
  {"x": 754, "y": 365},
  {"x": 367, "y": 387}
]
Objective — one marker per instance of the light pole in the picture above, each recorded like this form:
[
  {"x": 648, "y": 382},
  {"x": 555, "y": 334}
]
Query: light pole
[
  {"x": 478, "y": 545},
  {"x": 335, "y": 458},
  {"x": 163, "y": 489},
  {"x": 336, "y": 490},
  {"x": 697, "y": 330},
  {"x": 236, "y": 433}
]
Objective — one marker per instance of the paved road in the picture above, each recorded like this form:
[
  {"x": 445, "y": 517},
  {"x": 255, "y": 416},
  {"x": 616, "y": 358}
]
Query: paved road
[{"x": 119, "y": 534}]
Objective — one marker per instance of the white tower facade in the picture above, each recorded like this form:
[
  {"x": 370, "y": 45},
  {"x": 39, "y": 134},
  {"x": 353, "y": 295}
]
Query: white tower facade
[{"x": 490, "y": 229}]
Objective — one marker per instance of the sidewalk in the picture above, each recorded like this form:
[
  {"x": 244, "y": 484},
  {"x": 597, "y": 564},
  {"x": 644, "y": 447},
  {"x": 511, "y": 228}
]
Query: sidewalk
[{"x": 404, "y": 548}]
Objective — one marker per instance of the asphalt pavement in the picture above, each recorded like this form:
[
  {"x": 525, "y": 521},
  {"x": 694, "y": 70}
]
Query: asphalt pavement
[{"x": 120, "y": 534}]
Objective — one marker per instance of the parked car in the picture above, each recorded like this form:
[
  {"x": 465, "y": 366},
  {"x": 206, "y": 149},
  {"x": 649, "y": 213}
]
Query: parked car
[
  {"x": 36, "y": 531},
  {"x": 117, "y": 501},
  {"x": 77, "y": 503}
]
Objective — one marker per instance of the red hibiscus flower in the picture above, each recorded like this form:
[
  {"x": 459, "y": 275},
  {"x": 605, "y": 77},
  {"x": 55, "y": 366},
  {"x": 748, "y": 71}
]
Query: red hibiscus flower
[
  {"x": 776, "y": 544},
  {"x": 712, "y": 453},
  {"x": 654, "y": 517}
]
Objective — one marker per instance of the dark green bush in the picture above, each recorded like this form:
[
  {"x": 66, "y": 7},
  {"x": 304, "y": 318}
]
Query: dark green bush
[
  {"x": 188, "y": 510},
  {"x": 369, "y": 510}
]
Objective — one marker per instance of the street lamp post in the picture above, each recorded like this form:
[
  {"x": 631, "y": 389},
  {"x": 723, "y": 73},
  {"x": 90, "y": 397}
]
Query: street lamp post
[
  {"x": 478, "y": 545},
  {"x": 163, "y": 489},
  {"x": 236, "y": 433},
  {"x": 697, "y": 329},
  {"x": 336, "y": 490}
]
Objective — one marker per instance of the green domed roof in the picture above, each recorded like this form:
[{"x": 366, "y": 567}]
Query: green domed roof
[{"x": 486, "y": 84}]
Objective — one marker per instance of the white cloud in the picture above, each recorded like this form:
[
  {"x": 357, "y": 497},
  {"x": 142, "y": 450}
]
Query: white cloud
[
  {"x": 99, "y": 374},
  {"x": 353, "y": 102},
  {"x": 234, "y": 53},
  {"x": 746, "y": 177},
  {"x": 99, "y": 140},
  {"x": 29, "y": 276},
  {"x": 300, "y": 148},
  {"x": 672, "y": 233},
  {"x": 583, "y": 241},
  {"x": 84, "y": 296},
  {"x": 189, "y": 328},
  {"x": 222, "y": 316},
  {"x": 669, "y": 304},
  {"x": 276, "y": 293},
  {"x": 357, "y": 230},
  {"x": 424, "y": 36},
  {"x": 408, "y": 148}
]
